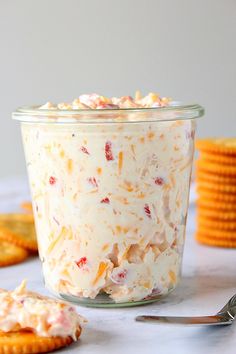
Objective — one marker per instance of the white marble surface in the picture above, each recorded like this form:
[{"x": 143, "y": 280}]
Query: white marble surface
[{"x": 209, "y": 280}]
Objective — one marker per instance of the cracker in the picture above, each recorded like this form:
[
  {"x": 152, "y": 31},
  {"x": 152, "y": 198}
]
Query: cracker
[
  {"x": 19, "y": 229},
  {"x": 208, "y": 166},
  {"x": 225, "y": 146},
  {"x": 217, "y": 242},
  {"x": 212, "y": 177},
  {"x": 215, "y": 205},
  {"x": 216, "y": 224},
  {"x": 27, "y": 206},
  {"x": 217, "y": 214},
  {"x": 214, "y": 195},
  {"x": 218, "y": 187},
  {"x": 11, "y": 254},
  {"x": 218, "y": 158},
  {"x": 228, "y": 235},
  {"x": 23, "y": 341}
]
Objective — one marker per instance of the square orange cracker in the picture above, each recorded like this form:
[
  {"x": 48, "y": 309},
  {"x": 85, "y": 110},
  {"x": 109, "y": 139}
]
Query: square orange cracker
[{"x": 19, "y": 229}]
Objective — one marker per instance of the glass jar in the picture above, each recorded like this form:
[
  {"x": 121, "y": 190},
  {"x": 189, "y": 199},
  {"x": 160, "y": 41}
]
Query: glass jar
[{"x": 110, "y": 197}]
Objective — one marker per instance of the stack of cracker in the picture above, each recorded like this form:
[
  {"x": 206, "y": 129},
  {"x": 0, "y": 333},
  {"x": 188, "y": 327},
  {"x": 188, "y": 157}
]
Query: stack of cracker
[{"x": 216, "y": 189}]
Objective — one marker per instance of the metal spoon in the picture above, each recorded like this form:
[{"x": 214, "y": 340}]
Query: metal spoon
[{"x": 225, "y": 316}]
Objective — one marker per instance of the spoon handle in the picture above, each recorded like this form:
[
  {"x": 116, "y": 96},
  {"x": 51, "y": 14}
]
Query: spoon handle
[{"x": 200, "y": 320}]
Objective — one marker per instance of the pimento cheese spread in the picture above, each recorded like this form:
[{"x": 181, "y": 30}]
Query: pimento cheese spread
[{"x": 46, "y": 317}]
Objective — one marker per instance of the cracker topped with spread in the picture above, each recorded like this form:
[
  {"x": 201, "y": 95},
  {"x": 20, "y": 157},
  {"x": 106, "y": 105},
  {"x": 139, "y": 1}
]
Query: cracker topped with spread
[{"x": 37, "y": 322}]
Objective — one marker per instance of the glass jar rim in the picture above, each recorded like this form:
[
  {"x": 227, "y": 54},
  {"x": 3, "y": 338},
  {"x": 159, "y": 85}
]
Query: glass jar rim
[{"x": 173, "y": 112}]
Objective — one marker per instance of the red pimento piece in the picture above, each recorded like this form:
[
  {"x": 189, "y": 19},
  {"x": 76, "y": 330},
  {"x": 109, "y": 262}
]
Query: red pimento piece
[
  {"x": 119, "y": 277},
  {"x": 83, "y": 149},
  {"x": 159, "y": 181},
  {"x": 122, "y": 274},
  {"x": 147, "y": 210},
  {"x": 52, "y": 180},
  {"x": 81, "y": 262},
  {"x": 108, "y": 151},
  {"x": 105, "y": 200},
  {"x": 93, "y": 181}
]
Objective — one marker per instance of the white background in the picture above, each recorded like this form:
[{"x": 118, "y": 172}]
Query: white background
[{"x": 56, "y": 50}]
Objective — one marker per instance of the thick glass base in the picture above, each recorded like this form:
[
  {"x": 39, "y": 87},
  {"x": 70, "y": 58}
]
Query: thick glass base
[{"x": 104, "y": 301}]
